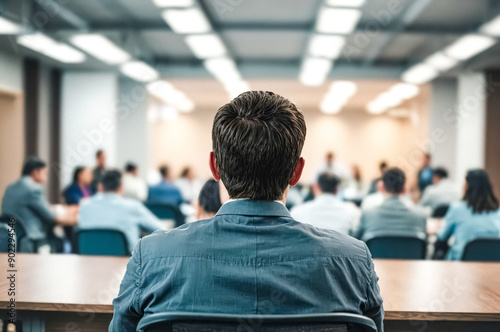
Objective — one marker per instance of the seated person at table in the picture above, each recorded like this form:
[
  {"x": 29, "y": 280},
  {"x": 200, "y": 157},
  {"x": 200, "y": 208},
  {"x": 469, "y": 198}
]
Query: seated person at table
[
  {"x": 108, "y": 209},
  {"x": 133, "y": 186},
  {"x": 80, "y": 187},
  {"x": 393, "y": 217},
  {"x": 165, "y": 191},
  {"x": 476, "y": 216},
  {"x": 441, "y": 192},
  {"x": 237, "y": 261},
  {"x": 25, "y": 199},
  {"x": 326, "y": 210},
  {"x": 209, "y": 201}
]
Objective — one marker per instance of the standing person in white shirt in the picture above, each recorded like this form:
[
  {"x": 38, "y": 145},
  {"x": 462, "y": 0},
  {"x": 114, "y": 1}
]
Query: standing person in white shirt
[
  {"x": 441, "y": 192},
  {"x": 334, "y": 167},
  {"x": 133, "y": 186},
  {"x": 326, "y": 210}
]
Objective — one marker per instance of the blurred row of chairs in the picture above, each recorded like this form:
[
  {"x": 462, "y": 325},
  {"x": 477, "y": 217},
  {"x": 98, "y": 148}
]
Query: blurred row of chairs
[{"x": 112, "y": 242}]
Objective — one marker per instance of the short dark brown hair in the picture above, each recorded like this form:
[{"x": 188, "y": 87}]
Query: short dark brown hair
[
  {"x": 394, "y": 181},
  {"x": 257, "y": 140}
]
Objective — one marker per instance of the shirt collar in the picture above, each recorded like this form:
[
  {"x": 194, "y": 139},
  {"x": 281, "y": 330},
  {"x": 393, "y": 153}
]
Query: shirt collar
[{"x": 248, "y": 207}]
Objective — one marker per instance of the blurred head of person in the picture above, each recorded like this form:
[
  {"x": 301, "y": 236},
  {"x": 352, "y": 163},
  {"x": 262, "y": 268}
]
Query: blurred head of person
[
  {"x": 132, "y": 169},
  {"x": 327, "y": 183},
  {"x": 394, "y": 182},
  {"x": 100, "y": 157},
  {"x": 209, "y": 201},
  {"x": 82, "y": 176},
  {"x": 356, "y": 172},
  {"x": 187, "y": 173},
  {"x": 383, "y": 167},
  {"x": 479, "y": 192},
  {"x": 257, "y": 142},
  {"x": 164, "y": 172},
  {"x": 111, "y": 182},
  {"x": 439, "y": 174},
  {"x": 36, "y": 169},
  {"x": 330, "y": 157},
  {"x": 427, "y": 160}
]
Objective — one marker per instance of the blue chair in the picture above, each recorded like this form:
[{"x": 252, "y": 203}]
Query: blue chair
[
  {"x": 23, "y": 243},
  {"x": 4, "y": 237},
  {"x": 397, "y": 247},
  {"x": 106, "y": 242},
  {"x": 190, "y": 322},
  {"x": 482, "y": 250},
  {"x": 167, "y": 211}
]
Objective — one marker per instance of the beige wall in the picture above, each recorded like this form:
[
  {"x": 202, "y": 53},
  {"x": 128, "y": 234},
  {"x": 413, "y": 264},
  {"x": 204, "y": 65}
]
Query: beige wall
[
  {"x": 355, "y": 136},
  {"x": 11, "y": 138}
]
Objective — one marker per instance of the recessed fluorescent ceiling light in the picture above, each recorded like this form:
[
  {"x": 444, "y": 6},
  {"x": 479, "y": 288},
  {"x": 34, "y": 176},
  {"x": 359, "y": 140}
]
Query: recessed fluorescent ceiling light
[
  {"x": 9, "y": 28},
  {"x": 326, "y": 46},
  {"x": 344, "y": 89},
  {"x": 404, "y": 90},
  {"x": 139, "y": 71},
  {"x": 51, "y": 48},
  {"x": 224, "y": 70},
  {"x": 492, "y": 27},
  {"x": 345, "y": 3},
  {"x": 191, "y": 20},
  {"x": 206, "y": 46},
  {"x": 441, "y": 62},
  {"x": 173, "y": 3},
  {"x": 314, "y": 71},
  {"x": 101, "y": 48},
  {"x": 234, "y": 89},
  {"x": 170, "y": 95},
  {"x": 419, "y": 73},
  {"x": 468, "y": 46},
  {"x": 375, "y": 107},
  {"x": 335, "y": 20}
]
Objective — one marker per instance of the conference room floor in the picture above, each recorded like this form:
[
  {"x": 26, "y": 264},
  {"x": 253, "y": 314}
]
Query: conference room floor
[{"x": 57, "y": 290}]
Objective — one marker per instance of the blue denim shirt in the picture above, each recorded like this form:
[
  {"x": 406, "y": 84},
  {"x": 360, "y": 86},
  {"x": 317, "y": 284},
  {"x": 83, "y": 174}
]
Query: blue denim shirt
[{"x": 251, "y": 258}]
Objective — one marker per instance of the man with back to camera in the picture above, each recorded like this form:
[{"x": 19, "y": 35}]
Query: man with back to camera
[{"x": 252, "y": 252}]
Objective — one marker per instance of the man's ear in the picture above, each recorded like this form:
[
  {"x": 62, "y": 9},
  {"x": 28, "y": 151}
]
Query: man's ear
[
  {"x": 213, "y": 166},
  {"x": 297, "y": 173}
]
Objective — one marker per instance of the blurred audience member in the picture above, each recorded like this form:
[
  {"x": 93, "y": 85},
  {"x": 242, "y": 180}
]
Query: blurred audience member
[
  {"x": 209, "y": 201},
  {"x": 165, "y": 191},
  {"x": 98, "y": 172},
  {"x": 383, "y": 167},
  {"x": 393, "y": 217},
  {"x": 425, "y": 174},
  {"x": 80, "y": 188},
  {"x": 133, "y": 186},
  {"x": 476, "y": 216},
  {"x": 326, "y": 210},
  {"x": 188, "y": 185},
  {"x": 25, "y": 199},
  {"x": 333, "y": 166},
  {"x": 375, "y": 199},
  {"x": 441, "y": 192},
  {"x": 354, "y": 187},
  {"x": 108, "y": 209}
]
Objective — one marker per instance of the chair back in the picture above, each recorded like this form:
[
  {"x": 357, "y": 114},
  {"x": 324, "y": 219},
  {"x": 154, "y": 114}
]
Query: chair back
[
  {"x": 4, "y": 237},
  {"x": 397, "y": 247},
  {"x": 482, "y": 250},
  {"x": 167, "y": 211},
  {"x": 106, "y": 242},
  {"x": 23, "y": 243},
  {"x": 190, "y": 322},
  {"x": 440, "y": 211}
]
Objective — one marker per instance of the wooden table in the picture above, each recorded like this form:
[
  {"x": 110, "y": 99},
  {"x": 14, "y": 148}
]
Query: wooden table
[{"x": 57, "y": 290}]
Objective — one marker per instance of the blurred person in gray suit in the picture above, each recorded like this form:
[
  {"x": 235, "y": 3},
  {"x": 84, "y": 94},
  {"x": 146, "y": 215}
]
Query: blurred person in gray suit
[
  {"x": 441, "y": 192},
  {"x": 393, "y": 217},
  {"x": 25, "y": 200}
]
